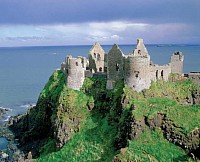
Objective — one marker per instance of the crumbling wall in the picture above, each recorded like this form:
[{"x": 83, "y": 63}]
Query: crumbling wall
[
  {"x": 177, "y": 63},
  {"x": 115, "y": 64},
  {"x": 161, "y": 72},
  {"x": 137, "y": 68},
  {"x": 75, "y": 72},
  {"x": 96, "y": 58},
  {"x": 137, "y": 72},
  {"x": 195, "y": 77}
]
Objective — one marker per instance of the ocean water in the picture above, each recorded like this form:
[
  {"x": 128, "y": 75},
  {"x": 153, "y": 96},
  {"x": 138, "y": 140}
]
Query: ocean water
[{"x": 25, "y": 70}]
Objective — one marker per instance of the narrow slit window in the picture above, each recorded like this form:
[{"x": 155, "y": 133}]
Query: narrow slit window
[
  {"x": 117, "y": 67},
  {"x": 162, "y": 75},
  {"x": 156, "y": 74}
]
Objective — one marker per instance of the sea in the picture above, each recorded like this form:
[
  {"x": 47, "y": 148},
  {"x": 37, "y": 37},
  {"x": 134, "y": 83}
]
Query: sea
[{"x": 24, "y": 71}]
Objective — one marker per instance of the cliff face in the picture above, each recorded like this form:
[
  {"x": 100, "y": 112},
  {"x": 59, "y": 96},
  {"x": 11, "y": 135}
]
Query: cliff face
[
  {"x": 159, "y": 124},
  {"x": 56, "y": 116}
]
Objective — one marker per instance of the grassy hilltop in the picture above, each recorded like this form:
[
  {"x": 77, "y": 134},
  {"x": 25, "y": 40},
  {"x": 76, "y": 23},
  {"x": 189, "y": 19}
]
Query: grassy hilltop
[{"x": 95, "y": 124}]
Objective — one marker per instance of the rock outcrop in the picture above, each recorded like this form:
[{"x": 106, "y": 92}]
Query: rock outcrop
[{"x": 56, "y": 116}]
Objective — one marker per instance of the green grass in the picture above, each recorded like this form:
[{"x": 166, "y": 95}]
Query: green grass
[
  {"x": 173, "y": 90},
  {"x": 92, "y": 143},
  {"x": 186, "y": 117},
  {"x": 95, "y": 140},
  {"x": 152, "y": 147}
]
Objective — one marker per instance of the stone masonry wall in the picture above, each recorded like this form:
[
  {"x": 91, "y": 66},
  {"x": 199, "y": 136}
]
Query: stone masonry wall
[
  {"x": 75, "y": 72},
  {"x": 195, "y": 77},
  {"x": 137, "y": 72},
  {"x": 135, "y": 69},
  {"x": 115, "y": 64},
  {"x": 160, "y": 72},
  {"x": 96, "y": 58},
  {"x": 177, "y": 63}
]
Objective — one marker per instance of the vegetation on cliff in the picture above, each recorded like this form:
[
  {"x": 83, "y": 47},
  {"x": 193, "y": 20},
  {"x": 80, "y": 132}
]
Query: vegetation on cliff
[
  {"x": 57, "y": 114},
  {"x": 95, "y": 124}
]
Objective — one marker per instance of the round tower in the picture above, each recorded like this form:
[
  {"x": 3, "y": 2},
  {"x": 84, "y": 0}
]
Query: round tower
[
  {"x": 75, "y": 72},
  {"x": 137, "y": 68}
]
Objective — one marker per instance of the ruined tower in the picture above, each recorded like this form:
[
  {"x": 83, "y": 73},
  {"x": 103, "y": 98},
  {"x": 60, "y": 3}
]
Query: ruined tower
[
  {"x": 137, "y": 68},
  {"x": 96, "y": 58},
  {"x": 177, "y": 63},
  {"x": 74, "y": 69},
  {"x": 115, "y": 69}
]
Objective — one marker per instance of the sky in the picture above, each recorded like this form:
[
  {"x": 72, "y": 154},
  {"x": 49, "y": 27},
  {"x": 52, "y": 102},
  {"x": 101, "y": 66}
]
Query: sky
[{"x": 83, "y": 22}]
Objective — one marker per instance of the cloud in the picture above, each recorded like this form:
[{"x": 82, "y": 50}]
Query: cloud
[
  {"x": 82, "y": 22},
  {"x": 24, "y": 39},
  {"x": 76, "y": 11},
  {"x": 120, "y": 32}
]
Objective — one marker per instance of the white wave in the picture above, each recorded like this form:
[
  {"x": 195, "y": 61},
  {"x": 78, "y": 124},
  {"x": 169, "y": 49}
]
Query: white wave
[
  {"x": 5, "y": 108},
  {"x": 7, "y": 118},
  {"x": 27, "y": 105}
]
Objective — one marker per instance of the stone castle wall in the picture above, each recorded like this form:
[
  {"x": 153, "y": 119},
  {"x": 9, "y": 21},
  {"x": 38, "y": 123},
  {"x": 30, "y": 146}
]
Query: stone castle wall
[
  {"x": 115, "y": 69},
  {"x": 96, "y": 58},
  {"x": 137, "y": 72},
  {"x": 177, "y": 63},
  {"x": 74, "y": 69},
  {"x": 135, "y": 69},
  {"x": 195, "y": 77},
  {"x": 160, "y": 72}
]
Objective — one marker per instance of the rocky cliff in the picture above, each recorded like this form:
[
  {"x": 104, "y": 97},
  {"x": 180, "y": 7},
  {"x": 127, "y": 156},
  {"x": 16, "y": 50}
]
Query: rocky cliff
[
  {"x": 95, "y": 124},
  {"x": 57, "y": 114}
]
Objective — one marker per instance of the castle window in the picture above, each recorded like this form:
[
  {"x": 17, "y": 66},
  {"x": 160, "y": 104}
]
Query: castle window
[
  {"x": 105, "y": 69},
  {"x": 139, "y": 51},
  {"x": 100, "y": 69},
  {"x": 117, "y": 67},
  {"x": 156, "y": 74},
  {"x": 76, "y": 63},
  {"x": 95, "y": 56},
  {"x": 98, "y": 57},
  {"x": 137, "y": 74},
  {"x": 67, "y": 71},
  {"x": 162, "y": 74}
]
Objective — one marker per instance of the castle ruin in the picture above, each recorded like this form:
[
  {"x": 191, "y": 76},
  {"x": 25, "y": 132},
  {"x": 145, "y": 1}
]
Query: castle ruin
[{"x": 136, "y": 69}]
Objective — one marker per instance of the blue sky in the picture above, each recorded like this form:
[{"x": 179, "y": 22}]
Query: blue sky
[{"x": 71, "y": 22}]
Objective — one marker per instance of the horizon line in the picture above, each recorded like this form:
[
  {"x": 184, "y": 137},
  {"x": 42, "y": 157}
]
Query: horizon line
[{"x": 148, "y": 44}]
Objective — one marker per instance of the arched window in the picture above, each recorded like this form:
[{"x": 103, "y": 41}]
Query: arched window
[
  {"x": 100, "y": 69},
  {"x": 162, "y": 74},
  {"x": 95, "y": 56},
  {"x": 76, "y": 63},
  {"x": 156, "y": 74}
]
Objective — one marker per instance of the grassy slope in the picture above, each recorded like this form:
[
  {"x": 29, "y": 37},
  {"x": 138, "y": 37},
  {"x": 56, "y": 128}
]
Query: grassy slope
[
  {"x": 151, "y": 146},
  {"x": 95, "y": 140}
]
